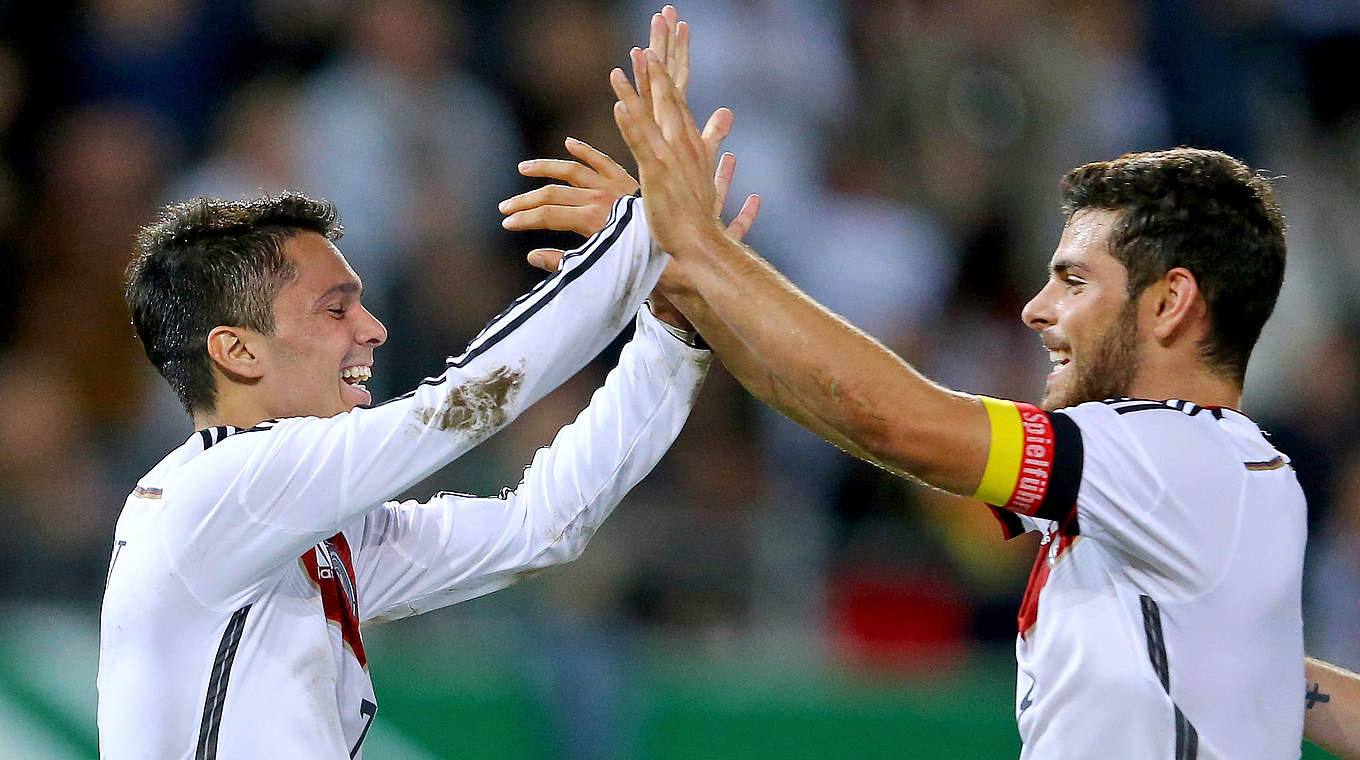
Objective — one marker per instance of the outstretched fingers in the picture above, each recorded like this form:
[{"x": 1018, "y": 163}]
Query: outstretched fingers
[
  {"x": 741, "y": 223},
  {"x": 547, "y": 259},
  {"x": 661, "y": 33},
  {"x": 556, "y": 168},
  {"x": 675, "y": 56},
  {"x": 679, "y": 67},
  {"x": 673, "y": 117},
  {"x": 548, "y": 195},
  {"x": 718, "y": 127},
  {"x": 722, "y": 182},
  {"x": 611, "y": 174},
  {"x": 635, "y": 122}
]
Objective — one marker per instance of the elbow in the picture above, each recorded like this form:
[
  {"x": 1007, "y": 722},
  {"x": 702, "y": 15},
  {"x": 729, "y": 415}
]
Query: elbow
[
  {"x": 567, "y": 546},
  {"x": 888, "y": 442}
]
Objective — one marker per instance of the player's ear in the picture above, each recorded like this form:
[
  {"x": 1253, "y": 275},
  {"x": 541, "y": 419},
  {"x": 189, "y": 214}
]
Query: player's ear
[
  {"x": 234, "y": 351},
  {"x": 1176, "y": 303}
]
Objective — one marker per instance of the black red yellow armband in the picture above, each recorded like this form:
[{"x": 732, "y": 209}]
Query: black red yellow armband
[{"x": 1034, "y": 463}]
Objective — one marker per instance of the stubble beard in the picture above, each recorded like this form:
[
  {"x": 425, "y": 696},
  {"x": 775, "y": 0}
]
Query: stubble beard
[{"x": 1109, "y": 371}]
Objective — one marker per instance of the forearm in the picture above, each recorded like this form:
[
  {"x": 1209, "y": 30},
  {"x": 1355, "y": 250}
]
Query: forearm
[
  {"x": 468, "y": 546},
  {"x": 754, "y": 376},
  {"x": 1332, "y": 716},
  {"x": 865, "y": 397}
]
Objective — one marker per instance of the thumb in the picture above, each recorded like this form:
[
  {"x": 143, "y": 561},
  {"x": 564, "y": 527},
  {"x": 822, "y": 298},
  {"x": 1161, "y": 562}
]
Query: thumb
[{"x": 547, "y": 259}]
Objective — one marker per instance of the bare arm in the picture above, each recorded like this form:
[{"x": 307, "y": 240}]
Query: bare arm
[
  {"x": 1332, "y": 714},
  {"x": 854, "y": 385},
  {"x": 582, "y": 205}
]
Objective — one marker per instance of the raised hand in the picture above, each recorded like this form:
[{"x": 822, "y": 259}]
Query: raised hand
[
  {"x": 581, "y": 205},
  {"x": 675, "y": 163}
]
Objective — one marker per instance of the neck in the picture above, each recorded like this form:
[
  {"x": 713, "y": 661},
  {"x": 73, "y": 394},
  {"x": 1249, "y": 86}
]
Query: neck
[
  {"x": 229, "y": 411},
  {"x": 1198, "y": 385}
]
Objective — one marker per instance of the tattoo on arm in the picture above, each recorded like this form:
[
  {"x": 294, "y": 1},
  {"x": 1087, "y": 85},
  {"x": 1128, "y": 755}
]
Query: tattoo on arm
[{"x": 1315, "y": 696}]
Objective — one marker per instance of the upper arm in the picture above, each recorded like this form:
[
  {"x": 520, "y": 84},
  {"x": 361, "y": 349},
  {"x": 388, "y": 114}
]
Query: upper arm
[{"x": 1034, "y": 460}]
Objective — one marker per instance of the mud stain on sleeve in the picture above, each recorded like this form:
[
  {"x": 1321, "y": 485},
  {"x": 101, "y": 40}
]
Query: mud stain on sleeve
[
  {"x": 477, "y": 407},
  {"x": 625, "y": 304}
]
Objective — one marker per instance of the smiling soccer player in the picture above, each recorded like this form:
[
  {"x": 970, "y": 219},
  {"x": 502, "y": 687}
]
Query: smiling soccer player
[
  {"x": 247, "y": 561},
  {"x": 1163, "y": 615}
]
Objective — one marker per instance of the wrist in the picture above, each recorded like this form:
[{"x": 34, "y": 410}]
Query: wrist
[
  {"x": 705, "y": 243},
  {"x": 674, "y": 322}
]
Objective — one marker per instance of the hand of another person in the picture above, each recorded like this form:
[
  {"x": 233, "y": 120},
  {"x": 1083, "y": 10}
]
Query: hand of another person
[
  {"x": 675, "y": 161},
  {"x": 581, "y": 205},
  {"x": 537, "y": 212}
]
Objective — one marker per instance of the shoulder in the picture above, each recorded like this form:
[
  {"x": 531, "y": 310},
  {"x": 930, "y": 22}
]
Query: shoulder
[
  {"x": 1163, "y": 435},
  {"x": 1142, "y": 416},
  {"x": 209, "y": 454}
]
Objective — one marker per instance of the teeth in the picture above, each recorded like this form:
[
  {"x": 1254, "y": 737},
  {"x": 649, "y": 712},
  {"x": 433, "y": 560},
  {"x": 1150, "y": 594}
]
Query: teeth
[{"x": 356, "y": 373}]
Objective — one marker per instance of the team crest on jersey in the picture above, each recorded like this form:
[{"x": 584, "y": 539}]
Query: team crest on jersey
[{"x": 330, "y": 567}]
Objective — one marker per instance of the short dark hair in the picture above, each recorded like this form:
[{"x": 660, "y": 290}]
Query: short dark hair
[
  {"x": 1202, "y": 210},
  {"x": 209, "y": 262}
]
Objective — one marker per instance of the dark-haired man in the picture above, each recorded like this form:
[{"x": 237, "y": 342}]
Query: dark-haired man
[
  {"x": 246, "y": 561},
  {"x": 1162, "y": 617}
]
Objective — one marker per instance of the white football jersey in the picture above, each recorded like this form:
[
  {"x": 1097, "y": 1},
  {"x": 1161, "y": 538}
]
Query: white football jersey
[
  {"x": 1163, "y": 616},
  {"x": 245, "y": 563}
]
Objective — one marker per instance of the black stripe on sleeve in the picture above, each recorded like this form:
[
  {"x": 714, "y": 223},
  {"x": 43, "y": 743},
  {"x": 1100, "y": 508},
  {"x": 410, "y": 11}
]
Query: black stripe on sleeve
[
  {"x": 600, "y": 247},
  {"x": 559, "y": 281},
  {"x": 213, "y": 704},
  {"x": 1064, "y": 481},
  {"x": 1187, "y": 738}
]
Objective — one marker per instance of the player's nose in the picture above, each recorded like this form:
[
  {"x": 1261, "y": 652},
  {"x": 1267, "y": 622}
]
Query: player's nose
[
  {"x": 371, "y": 331},
  {"x": 1039, "y": 313}
]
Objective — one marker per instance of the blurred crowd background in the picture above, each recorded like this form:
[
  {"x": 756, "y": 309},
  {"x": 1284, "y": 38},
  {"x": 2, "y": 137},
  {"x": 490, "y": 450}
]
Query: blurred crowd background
[{"x": 908, "y": 153}]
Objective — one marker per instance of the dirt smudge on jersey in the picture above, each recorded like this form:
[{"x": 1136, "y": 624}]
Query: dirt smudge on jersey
[{"x": 477, "y": 407}]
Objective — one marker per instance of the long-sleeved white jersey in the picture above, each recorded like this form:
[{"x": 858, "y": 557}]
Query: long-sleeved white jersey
[{"x": 245, "y": 562}]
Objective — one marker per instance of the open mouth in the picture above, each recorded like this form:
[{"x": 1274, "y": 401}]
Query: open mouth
[
  {"x": 356, "y": 375},
  {"x": 1059, "y": 359}
]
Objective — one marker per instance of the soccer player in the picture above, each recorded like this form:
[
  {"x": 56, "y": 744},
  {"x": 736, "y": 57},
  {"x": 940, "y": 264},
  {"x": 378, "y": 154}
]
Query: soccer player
[
  {"x": 245, "y": 564},
  {"x": 1163, "y": 614}
]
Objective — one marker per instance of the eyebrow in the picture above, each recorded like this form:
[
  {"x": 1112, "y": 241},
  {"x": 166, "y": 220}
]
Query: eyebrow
[
  {"x": 1063, "y": 266},
  {"x": 347, "y": 288}
]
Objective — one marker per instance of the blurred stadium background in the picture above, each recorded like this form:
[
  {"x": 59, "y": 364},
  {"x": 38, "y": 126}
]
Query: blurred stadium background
[{"x": 761, "y": 595}]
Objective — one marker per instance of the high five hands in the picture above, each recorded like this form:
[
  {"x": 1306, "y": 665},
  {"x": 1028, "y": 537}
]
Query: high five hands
[
  {"x": 675, "y": 159},
  {"x": 595, "y": 180}
]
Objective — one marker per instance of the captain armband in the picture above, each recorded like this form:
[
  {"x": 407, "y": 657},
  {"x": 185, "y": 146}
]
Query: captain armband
[{"x": 1034, "y": 461}]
